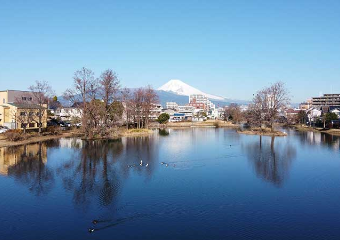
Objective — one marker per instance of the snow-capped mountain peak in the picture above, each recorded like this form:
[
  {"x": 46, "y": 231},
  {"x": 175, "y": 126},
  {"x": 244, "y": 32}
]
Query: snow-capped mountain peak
[{"x": 181, "y": 88}]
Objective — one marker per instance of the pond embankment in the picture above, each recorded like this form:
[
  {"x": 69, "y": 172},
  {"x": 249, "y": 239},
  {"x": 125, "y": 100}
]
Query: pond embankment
[
  {"x": 262, "y": 132},
  {"x": 304, "y": 128}
]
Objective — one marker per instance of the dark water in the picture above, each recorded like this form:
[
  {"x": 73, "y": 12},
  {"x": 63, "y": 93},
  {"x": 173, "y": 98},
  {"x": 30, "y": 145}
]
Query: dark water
[{"x": 214, "y": 184}]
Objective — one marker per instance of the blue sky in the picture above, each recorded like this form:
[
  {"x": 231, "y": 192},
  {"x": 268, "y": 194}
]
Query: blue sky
[{"x": 227, "y": 48}]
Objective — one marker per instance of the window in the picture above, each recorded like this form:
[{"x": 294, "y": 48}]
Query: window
[
  {"x": 30, "y": 99},
  {"x": 22, "y": 114},
  {"x": 32, "y": 125},
  {"x": 31, "y": 114},
  {"x": 3, "y": 100},
  {"x": 23, "y": 98},
  {"x": 23, "y": 125}
]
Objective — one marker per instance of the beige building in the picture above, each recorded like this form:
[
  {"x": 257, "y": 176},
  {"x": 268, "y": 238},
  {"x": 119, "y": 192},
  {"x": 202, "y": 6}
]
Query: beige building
[{"x": 17, "y": 110}]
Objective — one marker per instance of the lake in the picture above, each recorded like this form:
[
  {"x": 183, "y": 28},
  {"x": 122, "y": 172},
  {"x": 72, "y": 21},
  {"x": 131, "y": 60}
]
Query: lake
[{"x": 199, "y": 183}]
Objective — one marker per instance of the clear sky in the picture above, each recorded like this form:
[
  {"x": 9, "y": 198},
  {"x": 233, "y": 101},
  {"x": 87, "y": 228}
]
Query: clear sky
[{"x": 227, "y": 48}]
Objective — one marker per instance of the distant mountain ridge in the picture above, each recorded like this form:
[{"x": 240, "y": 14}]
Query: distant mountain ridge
[
  {"x": 180, "y": 88},
  {"x": 178, "y": 91}
]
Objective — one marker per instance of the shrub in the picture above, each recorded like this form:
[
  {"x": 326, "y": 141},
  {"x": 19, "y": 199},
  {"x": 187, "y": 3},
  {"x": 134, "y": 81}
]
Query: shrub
[
  {"x": 54, "y": 130},
  {"x": 14, "y": 135},
  {"x": 163, "y": 118}
]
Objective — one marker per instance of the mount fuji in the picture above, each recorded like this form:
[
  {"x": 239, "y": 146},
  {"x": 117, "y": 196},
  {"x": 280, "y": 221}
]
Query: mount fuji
[{"x": 180, "y": 88}]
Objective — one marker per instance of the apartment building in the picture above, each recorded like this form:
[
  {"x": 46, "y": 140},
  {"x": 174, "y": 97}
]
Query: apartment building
[
  {"x": 327, "y": 100},
  {"x": 17, "y": 110}
]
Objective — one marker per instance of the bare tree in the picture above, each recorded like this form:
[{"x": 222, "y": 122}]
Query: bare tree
[
  {"x": 233, "y": 112},
  {"x": 128, "y": 103},
  {"x": 267, "y": 104},
  {"x": 150, "y": 99},
  {"x": 41, "y": 92},
  {"x": 278, "y": 99},
  {"x": 109, "y": 85},
  {"x": 22, "y": 117},
  {"x": 84, "y": 90},
  {"x": 137, "y": 106}
]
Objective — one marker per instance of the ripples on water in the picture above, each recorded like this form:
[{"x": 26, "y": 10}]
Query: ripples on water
[{"x": 192, "y": 184}]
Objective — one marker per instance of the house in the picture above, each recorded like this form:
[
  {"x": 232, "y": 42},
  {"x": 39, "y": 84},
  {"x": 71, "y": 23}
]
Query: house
[
  {"x": 336, "y": 111},
  {"x": 22, "y": 115},
  {"x": 68, "y": 113},
  {"x": 17, "y": 110}
]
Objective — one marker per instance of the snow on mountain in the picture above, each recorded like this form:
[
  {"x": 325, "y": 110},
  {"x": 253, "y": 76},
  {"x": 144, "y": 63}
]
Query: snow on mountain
[{"x": 181, "y": 88}]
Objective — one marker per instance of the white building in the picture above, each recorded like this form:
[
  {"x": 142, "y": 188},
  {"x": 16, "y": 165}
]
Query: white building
[
  {"x": 155, "y": 111},
  {"x": 172, "y": 105},
  {"x": 336, "y": 111},
  {"x": 187, "y": 110},
  {"x": 67, "y": 113}
]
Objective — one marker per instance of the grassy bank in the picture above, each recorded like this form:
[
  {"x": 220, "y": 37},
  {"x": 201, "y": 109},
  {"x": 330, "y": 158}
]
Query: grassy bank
[
  {"x": 135, "y": 132},
  {"x": 304, "y": 128},
  {"x": 36, "y": 138},
  {"x": 263, "y": 132}
]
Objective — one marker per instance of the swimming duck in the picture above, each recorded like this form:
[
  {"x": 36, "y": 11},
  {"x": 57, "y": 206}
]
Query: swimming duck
[
  {"x": 141, "y": 162},
  {"x": 91, "y": 230},
  {"x": 147, "y": 165},
  {"x": 95, "y": 221}
]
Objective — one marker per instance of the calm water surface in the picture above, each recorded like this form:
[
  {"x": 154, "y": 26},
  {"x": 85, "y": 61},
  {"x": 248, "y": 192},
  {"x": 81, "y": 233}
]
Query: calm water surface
[{"x": 213, "y": 184}]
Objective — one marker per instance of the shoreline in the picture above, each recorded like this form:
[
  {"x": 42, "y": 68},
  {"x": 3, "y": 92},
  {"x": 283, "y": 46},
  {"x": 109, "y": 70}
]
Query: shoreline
[
  {"x": 264, "y": 133},
  {"x": 180, "y": 125},
  {"x": 123, "y": 133},
  {"x": 303, "y": 128},
  {"x": 6, "y": 143}
]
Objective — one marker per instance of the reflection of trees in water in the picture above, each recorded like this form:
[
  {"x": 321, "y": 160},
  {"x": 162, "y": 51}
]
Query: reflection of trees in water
[
  {"x": 99, "y": 168},
  {"x": 93, "y": 172},
  {"x": 96, "y": 170},
  {"x": 137, "y": 149},
  {"x": 31, "y": 168},
  {"x": 271, "y": 162},
  {"x": 163, "y": 132}
]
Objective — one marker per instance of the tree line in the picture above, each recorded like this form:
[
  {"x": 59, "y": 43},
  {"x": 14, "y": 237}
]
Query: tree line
[{"x": 105, "y": 106}]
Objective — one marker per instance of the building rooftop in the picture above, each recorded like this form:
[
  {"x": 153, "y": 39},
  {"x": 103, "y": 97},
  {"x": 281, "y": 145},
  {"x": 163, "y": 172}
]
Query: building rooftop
[{"x": 25, "y": 105}]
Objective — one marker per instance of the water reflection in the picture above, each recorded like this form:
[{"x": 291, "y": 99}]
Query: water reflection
[
  {"x": 163, "y": 132},
  {"x": 271, "y": 162},
  {"x": 27, "y": 164},
  {"x": 91, "y": 172},
  {"x": 318, "y": 139}
]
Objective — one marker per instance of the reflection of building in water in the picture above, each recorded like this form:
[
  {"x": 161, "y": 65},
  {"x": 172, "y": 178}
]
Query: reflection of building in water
[
  {"x": 318, "y": 138},
  {"x": 10, "y": 156},
  {"x": 71, "y": 143}
]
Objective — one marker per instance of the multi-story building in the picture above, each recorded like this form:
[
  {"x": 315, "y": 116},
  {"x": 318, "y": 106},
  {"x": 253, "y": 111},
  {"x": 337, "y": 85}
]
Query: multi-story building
[
  {"x": 11, "y": 96},
  {"x": 327, "y": 100},
  {"x": 17, "y": 110},
  {"x": 172, "y": 105},
  {"x": 155, "y": 111},
  {"x": 188, "y": 111},
  {"x": 200, "y": 101},
  {"x": 305, "y": 105}
]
